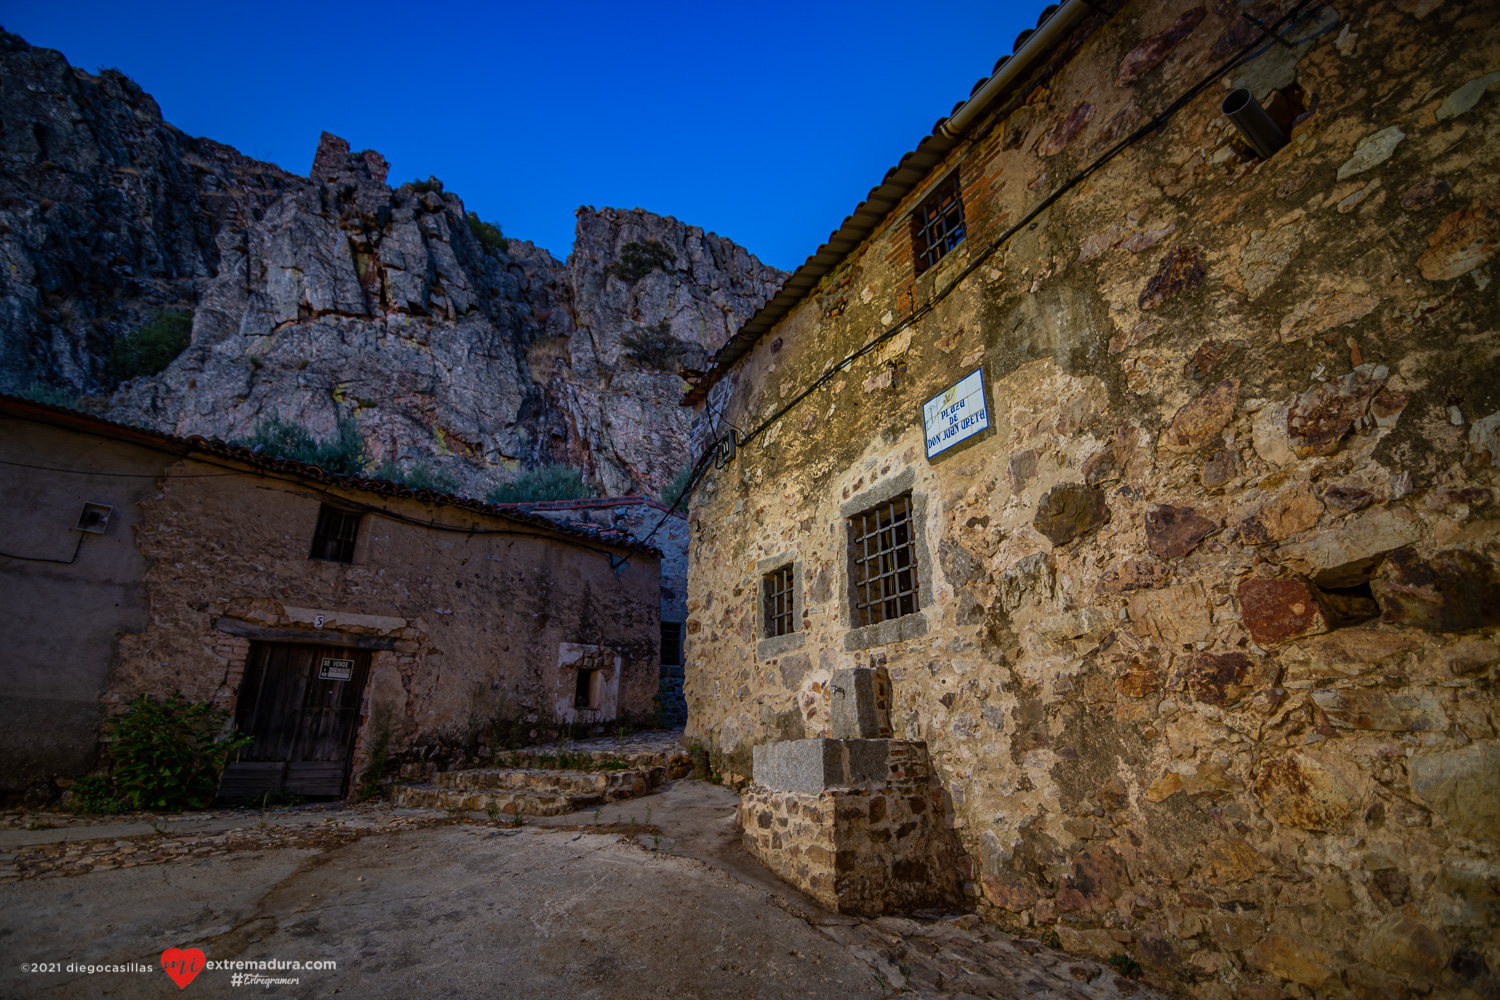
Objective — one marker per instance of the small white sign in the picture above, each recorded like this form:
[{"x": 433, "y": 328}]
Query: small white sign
[
  {"x": 335, "y": 670},
  {"x": 955, "y": 415}
]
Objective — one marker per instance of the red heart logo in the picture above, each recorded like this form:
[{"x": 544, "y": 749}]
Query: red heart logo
[{"x": 183, "y": 964}]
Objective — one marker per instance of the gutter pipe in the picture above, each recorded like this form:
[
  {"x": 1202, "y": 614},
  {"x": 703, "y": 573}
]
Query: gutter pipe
[{"x": 1046, "y": 35}]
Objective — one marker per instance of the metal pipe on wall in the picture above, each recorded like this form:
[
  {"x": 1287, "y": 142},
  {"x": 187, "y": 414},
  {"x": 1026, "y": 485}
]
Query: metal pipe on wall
[{"x": 1257, "y": 128}]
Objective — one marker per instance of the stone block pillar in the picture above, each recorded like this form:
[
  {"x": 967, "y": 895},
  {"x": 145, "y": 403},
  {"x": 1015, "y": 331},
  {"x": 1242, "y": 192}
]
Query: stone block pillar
[
  {"x": 858, "y": 824},
  {"x": 860, "y": 703}
]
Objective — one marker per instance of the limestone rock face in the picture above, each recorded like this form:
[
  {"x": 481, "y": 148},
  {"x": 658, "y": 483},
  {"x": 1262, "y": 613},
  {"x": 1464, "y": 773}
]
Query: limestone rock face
[
  {"x": 335, "y": 296},
  {"x": 106, "y": 214}
]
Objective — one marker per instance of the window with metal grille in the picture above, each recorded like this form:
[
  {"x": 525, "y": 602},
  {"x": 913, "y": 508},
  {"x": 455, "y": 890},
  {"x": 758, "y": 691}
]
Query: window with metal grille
[
  {"x": 671, "y": 644},
  {"x": 776, "y": 590},
  {"x": 883, "y": 563},
  {"x": 334, "y": 537},
  {"x": 937, "y": 225}
]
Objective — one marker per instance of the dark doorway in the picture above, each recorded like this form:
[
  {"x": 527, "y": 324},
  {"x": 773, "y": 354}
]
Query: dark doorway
[{"x": 301, "y": 703}]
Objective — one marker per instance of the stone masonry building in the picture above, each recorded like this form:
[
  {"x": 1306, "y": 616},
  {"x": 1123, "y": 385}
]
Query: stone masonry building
[
  {"x": 317, "y": 609},
  {"x": 663, "y": 528},
  {"x": 1159, "y": 477}
]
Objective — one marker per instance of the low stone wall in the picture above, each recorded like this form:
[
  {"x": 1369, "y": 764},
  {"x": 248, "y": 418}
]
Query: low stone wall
[{"x": 866, "y": 843}]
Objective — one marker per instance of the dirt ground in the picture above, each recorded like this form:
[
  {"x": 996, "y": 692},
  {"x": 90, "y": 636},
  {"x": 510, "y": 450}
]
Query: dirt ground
[{"x": 655, "y": 901}]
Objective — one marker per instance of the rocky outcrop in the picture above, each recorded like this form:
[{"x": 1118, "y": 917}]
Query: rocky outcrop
[
  {"x": 335, "y": 296},
  {"x": 106, "y": 214}
]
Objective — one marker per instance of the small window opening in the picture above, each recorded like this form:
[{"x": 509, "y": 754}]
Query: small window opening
[
  {"x": 334, "y": 537},
  {"x": 583, "y": 696},
  {"x": 883, "y": 563},
  {"x": 776, "y": 587},
  {"x": 94, "y": 518},
  {"x": 937, "y": 225},
  {"x": 671, "y": 644}
]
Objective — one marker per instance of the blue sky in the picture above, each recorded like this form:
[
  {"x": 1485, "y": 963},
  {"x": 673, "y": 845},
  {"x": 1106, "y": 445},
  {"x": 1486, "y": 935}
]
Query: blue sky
[{"x": 763, "y": 123}]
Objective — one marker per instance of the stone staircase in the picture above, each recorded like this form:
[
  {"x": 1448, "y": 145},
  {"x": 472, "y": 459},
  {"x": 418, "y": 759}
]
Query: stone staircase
[
  {"x": 530, "y": 782},
  {"x": 528, "y": 791}
]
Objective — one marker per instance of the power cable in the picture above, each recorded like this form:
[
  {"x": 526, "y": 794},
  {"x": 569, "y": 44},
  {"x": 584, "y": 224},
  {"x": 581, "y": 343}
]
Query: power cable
[
  {"x": 1158, "y": 121},
  {"x": 616, "y": 563}
]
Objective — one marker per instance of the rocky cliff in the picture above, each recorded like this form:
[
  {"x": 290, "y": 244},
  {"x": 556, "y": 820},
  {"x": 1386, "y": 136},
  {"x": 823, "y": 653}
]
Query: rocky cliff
[{"x": 334, "y": 296}]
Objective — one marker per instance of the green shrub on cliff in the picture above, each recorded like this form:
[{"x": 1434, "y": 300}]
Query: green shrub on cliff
[
  {"x": 555, "y": 482},
  {"x": 420, "y": 476},
  {"x": 41, "y": 392},
  {"x": 674, "y": 490},
  {"x": 488, "y": 234},
  {"x": 654, "y": 347},
  {"x": 638, "y": 259},
  {"x": 154, "y": 346},
  {"x": 342, "y": 453}
]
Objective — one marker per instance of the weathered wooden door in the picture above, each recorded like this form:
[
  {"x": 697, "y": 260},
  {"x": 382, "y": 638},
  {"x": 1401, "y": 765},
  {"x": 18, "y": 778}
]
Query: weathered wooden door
[{"x": 301, "y": 704}]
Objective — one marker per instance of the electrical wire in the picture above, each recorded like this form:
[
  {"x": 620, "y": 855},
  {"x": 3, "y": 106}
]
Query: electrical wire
[
  {"x": 1159, "y": 120},
  {"x": 119, "y": 475},
  {"x": 62, "y": 562},
  {"x": 616, "y": 562}
]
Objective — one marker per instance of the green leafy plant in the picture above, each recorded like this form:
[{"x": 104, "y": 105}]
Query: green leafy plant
[
  {"x": 515, "y": 819},
  {"x": 678, "y": 487},
  {"x": 638, "y": 259},
  {"x": 41, "y": 392},
  {"x": 492, "y": 811},
  {"x": 380, "y": 748},
  {"x": 430, "y": 186},
  {"x": 554, "y": 482},
  {"x": 420, "y": 476},
  {"x": 1051, "y": 940},
  {"x": 167, "y": 755},
  {"x": 153, "y": 347},
  {"x": 488, "y": 234},
  {"x": 1125, "y": 965},
  {"x": 342, "y": 453},
  {"x": 95, "y": 794}
]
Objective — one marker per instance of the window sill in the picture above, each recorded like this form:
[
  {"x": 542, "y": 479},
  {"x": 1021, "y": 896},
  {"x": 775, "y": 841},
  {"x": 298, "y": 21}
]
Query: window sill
[
  {"x": 780, "y": 645},
  {"x": 912, "y": 626}
]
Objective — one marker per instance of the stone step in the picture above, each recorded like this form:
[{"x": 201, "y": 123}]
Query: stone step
[
  {"x": 526, "y": 803},
  {"x": 608, "y": 786},
  {"x": 678, "y": 761}
]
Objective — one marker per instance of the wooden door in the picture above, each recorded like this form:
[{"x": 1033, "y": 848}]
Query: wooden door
[{"x": 301, "y": 705}]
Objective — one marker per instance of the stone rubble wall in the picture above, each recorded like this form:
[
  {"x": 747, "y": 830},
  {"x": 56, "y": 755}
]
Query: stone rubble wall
[
  {"x": 472, "y": 623},
  {"x": 867, "y": 848},
  {"x": 1207, "y": 653}
]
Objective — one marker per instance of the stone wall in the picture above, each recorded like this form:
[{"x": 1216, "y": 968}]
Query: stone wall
[
  {"x": 476, "y": 611},
  {"x": 1206, "y": 653},
  {"x": 642, "y": 517},
  {"x": 864, "y": 843},
  {"x": 67, "y": 595}
]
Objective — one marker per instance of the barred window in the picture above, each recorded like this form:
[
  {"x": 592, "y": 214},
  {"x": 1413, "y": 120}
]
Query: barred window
[
  {"x": 671, "y": 644},
  {"x": 883, "y": 562},
  {"x": 937, "y": 225},
  {"x": 333, "y": 539},
  {"x": 776, "y": 592}
]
